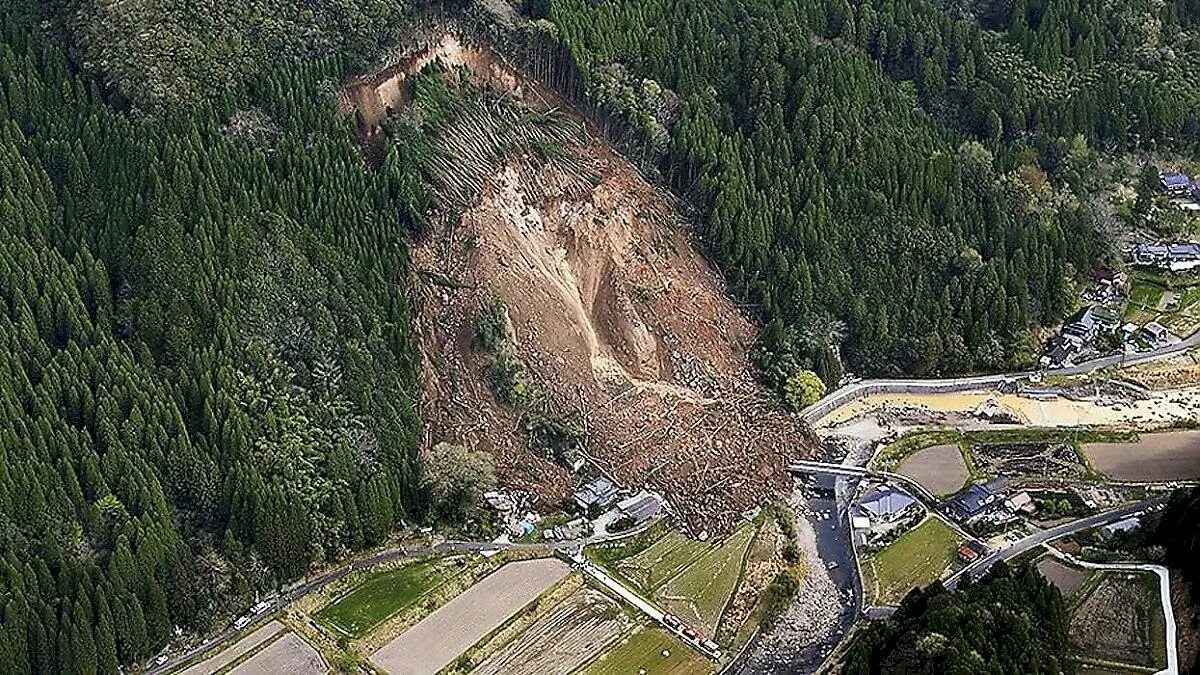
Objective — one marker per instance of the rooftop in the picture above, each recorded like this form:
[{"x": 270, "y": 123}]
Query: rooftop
[
  {"x": 597, "y": 492},
  {"x": 886, "y": 503}
]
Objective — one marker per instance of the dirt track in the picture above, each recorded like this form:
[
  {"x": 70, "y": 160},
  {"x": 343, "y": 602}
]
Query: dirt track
[
  {"x": 450, "y": 630},
  {"x": 1154, "y": 457}
]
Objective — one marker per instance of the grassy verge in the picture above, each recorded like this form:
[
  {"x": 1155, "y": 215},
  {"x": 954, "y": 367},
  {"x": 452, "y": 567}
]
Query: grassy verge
[{"x": 916, "y": 559}]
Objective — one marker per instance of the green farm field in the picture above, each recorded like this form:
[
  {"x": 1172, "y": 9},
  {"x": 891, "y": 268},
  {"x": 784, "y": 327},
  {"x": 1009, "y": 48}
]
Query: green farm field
[
  {"x": 661, "y": 560},
  {"x": 383, "y": 595},
  {"x": 700, "y": 593},
  {"x": 643, "y": 652},
  {"x": 917, "y": 558}
]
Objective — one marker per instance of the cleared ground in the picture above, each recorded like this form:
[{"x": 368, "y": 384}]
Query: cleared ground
[
  {"x": 916, "y": 559},
  {"x": 700, "y": 593},
  {"x": 1121, "y": 621},
  {"x": 940, "y": 469},
  {"x": 439, "y": 638},
  {"x": 235, "y": 651},
  {"x": 564, "y": 639},
  {"x": 1166, "y": 456},
  {"x": 1065, "y": 578},
  {"x": 649, "y": 651},
  {"x": 661, "y": 560},
  {"x": 289, "y": 654},
  {"x": 382, "y": 596}
]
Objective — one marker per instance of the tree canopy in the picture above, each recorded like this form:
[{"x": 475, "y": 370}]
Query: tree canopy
[
  {"x": 207, "y": 380},
  {"x": 1013, "y": 621}
]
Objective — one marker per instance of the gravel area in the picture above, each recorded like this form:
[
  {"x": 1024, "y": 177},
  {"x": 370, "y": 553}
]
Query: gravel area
[{"x": 811, "y": 628}]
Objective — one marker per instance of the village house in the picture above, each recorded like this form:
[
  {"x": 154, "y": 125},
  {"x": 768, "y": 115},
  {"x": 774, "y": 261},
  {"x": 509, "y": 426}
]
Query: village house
[
  {"x": 1156, "y": 334},
  {"x": 596, "y": 496},
  {"x": 1175, "y": 184},
  {"x": 972, "y": 505},
  {"x": 1176, "y": 257},
  {"x": 887, "y": 506}
]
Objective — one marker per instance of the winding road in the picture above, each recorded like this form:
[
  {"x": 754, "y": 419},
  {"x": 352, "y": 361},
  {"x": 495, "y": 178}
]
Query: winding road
[{"x": 981, "y": 567}]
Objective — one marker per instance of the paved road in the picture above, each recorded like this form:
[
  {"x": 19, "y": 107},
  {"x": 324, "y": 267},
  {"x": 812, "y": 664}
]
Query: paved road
[{"x": 981, "y": 567}]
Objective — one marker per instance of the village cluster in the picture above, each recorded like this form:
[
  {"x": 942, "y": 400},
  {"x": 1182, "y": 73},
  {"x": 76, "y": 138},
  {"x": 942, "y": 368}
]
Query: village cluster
[
  {"x": 1098, "y": 329},
  {"x": 599, "y": 507}
]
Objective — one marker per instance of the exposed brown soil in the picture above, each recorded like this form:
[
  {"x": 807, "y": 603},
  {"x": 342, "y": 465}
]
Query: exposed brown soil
[
  {"x": 1165, "y": 456},
  {"x": 939, "y": 469},
  {"x": 1067, "y": 579},
  {"x": 1187, "y": 623},
  {"x": 614, "y": 314}
]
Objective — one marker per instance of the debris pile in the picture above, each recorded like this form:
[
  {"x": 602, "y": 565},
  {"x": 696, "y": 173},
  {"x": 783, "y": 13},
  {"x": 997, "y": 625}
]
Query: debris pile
[{"x": 620, "y": 325}]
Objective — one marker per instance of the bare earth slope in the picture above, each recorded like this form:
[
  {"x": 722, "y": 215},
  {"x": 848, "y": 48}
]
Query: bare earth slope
[{"x": 613, "y": 312}]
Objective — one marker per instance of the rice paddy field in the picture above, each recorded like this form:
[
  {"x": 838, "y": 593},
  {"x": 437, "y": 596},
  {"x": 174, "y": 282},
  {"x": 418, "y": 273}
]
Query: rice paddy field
[
  {"x": 661, "y": 560},
  {"x": 940, "y": 469},
  {"x": 1119, "y": 621},
  {"x": 383, "y": 595},
  {"x": 700, "y": 593},
  {"x": 649, "y": 651},
  {"x": 1173, "y": 455}
]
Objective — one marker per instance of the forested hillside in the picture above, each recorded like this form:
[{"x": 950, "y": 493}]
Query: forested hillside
[
  {"x": 206, "y": 381},
  {"x": 1014, "y": 621},
  {"x": 170, "y": 52},
  {"x": 882, "y": 173}
]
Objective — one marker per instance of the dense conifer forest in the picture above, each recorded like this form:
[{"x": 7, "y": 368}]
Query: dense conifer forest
[
  {"x": 874, "y": 173},
  {"x": 1014, "y": 621},
  {"x": 207, "y": 379}
]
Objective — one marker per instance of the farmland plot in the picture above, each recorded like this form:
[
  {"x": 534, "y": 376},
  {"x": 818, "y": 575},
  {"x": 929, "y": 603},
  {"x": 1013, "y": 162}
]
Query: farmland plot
[
  {"x": 1166, "y": 456},
  {"x": 650, "y": 651},
  {"x": 939, "y": 469},
  {"x": 451, "y": 629},
  {"x": 383, "y": 595},
  {"x": 1121, "y": 621},
  {"x": 289, "y": 654},
  {"x": 580, "y": 627},
  {"x": 661, "y": 561},
  {"x": 700, "y": 593}
]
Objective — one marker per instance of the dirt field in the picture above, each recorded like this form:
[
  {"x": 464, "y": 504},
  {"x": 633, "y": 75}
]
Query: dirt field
[
  {"x": 450, "y": 630},
  {"x": 1067, "y": 579},
  {"x": 1121, "y": 621},
  {"x": 1161, "y": 408},
  {"x": 939, "y": 469},
  {"x": 1154, "y": 457},
  {"x": 234, "y": 652},
  {"x": 289, "y": 654},
  {"x": 614, "y": 315},
  {"x": 567, "y": 637}
]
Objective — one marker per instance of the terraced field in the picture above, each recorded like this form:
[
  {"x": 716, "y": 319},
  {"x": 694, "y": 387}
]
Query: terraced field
[
  {"x": 700, "y": 593},
  {"x": 562, "y": 640}
]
